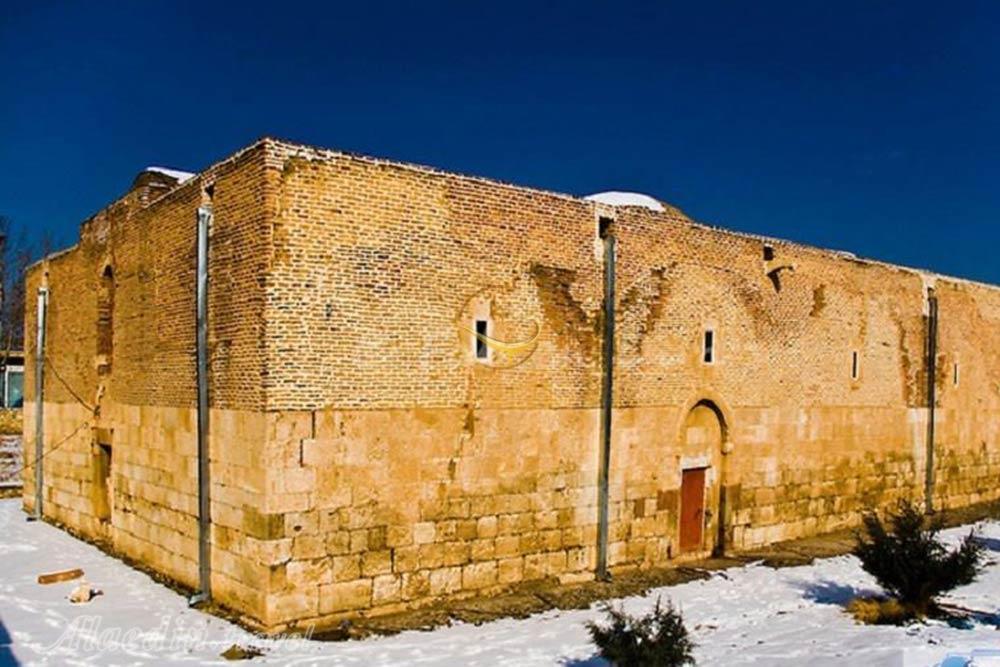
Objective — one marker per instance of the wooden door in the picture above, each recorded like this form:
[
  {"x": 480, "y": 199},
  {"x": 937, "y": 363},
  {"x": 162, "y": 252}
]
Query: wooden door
[{"x": 692, "y": 508}]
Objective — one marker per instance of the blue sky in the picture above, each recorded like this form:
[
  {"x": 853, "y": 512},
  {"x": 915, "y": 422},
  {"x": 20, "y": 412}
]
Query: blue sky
[{"x": 865, "y": 126}]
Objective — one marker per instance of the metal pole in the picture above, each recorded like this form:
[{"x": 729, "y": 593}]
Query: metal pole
[
  {"x": 606, "y": 400},
  {"x": 204, "y": 518},
  {"x": 932, "y": 334},
  {"x": 43, "y": 301},
  {"x": 720, "y": 539}
]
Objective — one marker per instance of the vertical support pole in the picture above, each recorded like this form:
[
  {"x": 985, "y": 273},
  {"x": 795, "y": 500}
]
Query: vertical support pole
[
  {"x": 43, "y": 303},
  {"x": 720, "y": 533},
  {"x": 608, "y": 364},
  {"x": 204, "y": 507},
  {"x": 932, "y": 345}
]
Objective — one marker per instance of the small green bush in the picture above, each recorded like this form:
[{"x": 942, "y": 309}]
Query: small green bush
[
  {"x": 656, "y": 639},
  {"x": 909, "y": 563}
]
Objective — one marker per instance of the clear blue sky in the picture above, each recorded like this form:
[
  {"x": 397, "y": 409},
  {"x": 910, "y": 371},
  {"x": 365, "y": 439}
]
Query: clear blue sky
[{"x": 866, "y": 126}]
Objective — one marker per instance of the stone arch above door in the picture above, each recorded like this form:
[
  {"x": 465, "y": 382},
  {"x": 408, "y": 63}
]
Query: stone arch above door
[
  {"x": 703, "y": 433},
  {"x": 703, "y": 438},
  {"x": 721, "y": 410}
]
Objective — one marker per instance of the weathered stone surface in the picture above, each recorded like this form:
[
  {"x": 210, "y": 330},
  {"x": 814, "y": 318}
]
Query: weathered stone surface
[{"x": 344, "y": 596}]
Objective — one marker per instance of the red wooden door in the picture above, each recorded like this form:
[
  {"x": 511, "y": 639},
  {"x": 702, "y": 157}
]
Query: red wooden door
[{"x": 692, "y": 508}]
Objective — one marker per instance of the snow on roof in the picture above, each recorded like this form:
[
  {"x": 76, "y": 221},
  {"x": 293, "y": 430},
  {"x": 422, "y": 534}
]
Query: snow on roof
[
  {"x": 616, "y": 198},
  {"x": 177, "y": 174}
]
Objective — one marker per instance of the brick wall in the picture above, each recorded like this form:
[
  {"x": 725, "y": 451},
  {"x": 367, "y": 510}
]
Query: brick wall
[
  {"x": 466, "y": 476},
  {"x": 140, "y": 398},
  {"x": 968, "y": 421},
  {"x": 363, "y": 458}
]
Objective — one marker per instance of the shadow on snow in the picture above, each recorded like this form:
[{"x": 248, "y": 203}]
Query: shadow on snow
[{"x": 7, "y": 658}]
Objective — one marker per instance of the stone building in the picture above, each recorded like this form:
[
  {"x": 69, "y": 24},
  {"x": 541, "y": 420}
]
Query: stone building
[{"x": 405, "y": 371}]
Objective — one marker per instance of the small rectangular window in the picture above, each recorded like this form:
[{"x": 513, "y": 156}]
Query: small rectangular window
[
  {"x": 855, "y": 366},
  {"x": 604, "y": 227},
  {"x": 709, "y": 348},
  {"x": 482, "y": 352},
  {"x": 13, "y": 387}
]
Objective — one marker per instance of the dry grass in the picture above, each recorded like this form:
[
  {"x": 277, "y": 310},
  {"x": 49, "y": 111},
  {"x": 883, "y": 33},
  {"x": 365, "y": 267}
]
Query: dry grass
[
  {"x": 880, "y": 611},
  {"x": 10, "y": 422}
]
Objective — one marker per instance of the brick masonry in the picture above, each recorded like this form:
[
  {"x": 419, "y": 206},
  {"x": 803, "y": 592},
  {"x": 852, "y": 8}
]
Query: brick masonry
[{"x": 363, "y": 459}]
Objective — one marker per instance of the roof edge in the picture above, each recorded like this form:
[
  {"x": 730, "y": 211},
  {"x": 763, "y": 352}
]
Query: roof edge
[{"x": 671, "y": 212}]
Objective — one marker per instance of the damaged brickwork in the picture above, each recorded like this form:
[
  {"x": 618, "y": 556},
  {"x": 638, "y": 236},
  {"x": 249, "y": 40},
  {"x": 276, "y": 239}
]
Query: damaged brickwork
[{"x": 365, "y": 461}]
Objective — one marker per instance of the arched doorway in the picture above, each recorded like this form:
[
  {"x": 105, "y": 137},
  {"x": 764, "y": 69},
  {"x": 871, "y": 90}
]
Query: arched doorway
[{"x": 701, "y": 519}]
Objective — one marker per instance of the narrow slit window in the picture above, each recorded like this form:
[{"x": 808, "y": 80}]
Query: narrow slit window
[
  {"x": 708, "y": 355},
  {"x": 955, "y": 373},
  {"x": 855, "y": 366},
  {"x": 106, "y": 320},
  {"x": 482, "y": 351}
]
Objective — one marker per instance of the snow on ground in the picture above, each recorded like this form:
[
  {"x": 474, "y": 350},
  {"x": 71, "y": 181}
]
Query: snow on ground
[{"x": 747, "y": 616}]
